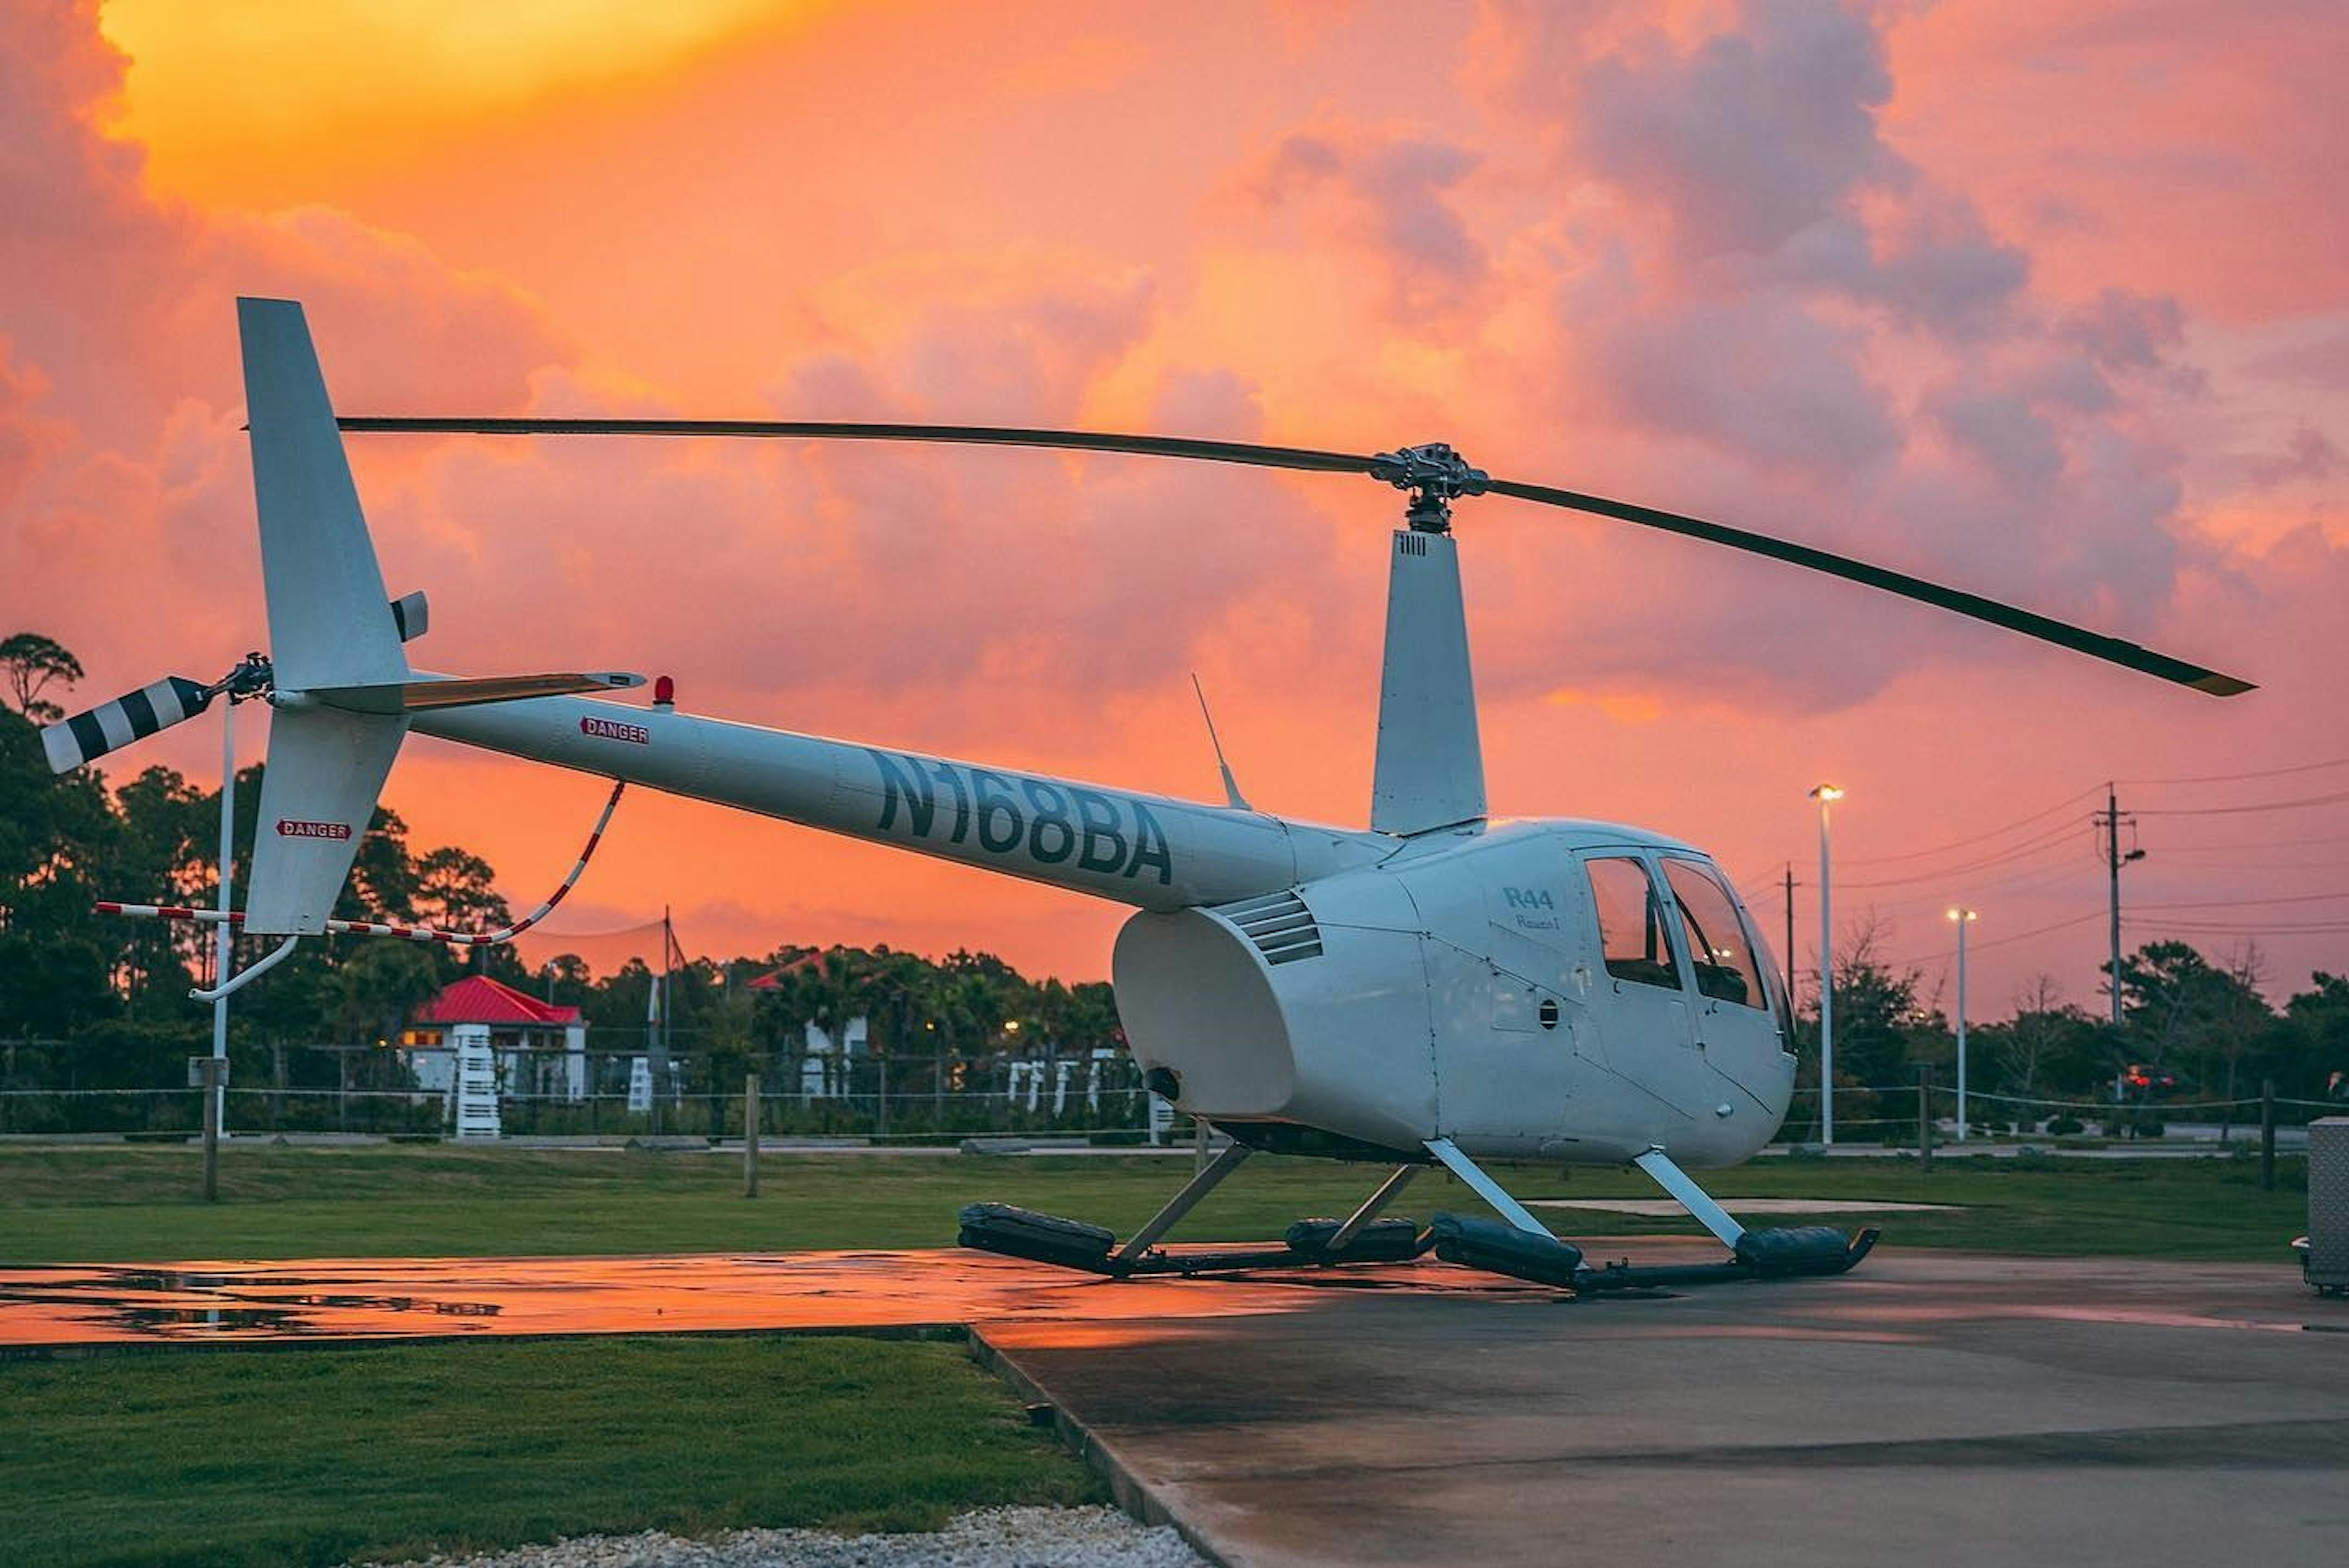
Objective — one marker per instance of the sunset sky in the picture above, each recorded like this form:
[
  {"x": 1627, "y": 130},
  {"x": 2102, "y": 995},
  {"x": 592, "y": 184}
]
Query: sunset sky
[{"x": 2049, "y": 302}]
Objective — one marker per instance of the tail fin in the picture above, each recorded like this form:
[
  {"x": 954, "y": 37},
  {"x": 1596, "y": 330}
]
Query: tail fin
[
  {"x": 330, "y": 621},
  {"x": 330, "y": 625}
]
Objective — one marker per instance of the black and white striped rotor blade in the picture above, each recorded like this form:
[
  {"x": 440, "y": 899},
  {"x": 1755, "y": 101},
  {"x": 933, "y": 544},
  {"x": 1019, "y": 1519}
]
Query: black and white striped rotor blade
[{"x": 110, "y": 726}]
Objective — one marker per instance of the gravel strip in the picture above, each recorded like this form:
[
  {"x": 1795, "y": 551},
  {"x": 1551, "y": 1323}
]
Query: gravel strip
[{"x": 989, "y": 1538}]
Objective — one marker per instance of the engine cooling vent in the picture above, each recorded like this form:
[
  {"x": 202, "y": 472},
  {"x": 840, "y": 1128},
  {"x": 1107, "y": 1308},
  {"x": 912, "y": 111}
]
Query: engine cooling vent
[{"x": 1279, "y": 925}]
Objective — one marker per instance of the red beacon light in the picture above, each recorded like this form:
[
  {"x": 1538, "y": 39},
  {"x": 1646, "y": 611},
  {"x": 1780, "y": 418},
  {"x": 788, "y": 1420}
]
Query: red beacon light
[{"x": 665, "y": 694}]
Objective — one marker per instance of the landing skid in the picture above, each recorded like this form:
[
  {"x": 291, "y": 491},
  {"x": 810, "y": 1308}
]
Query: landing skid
[{"x": 1521, "y": 1249}]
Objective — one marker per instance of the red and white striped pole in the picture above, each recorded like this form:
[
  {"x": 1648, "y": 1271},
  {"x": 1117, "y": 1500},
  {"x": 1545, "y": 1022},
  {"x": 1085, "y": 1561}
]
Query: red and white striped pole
[{"x": 227, "y": 920}]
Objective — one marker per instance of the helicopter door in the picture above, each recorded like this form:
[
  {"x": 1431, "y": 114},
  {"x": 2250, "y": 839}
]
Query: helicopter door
[
  {"x": 1737, "y": 1025},
  {"x": 1510, "y": 1085},
  {"x": 1646, "y": 1030}
]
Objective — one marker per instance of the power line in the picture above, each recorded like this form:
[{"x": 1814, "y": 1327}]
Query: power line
[
  {"x": 2237, "y": 778},
  {"x": 2004, "y": 856},
  {"x": 2063, "y": 804},
  {"x": 2242, "y": 926},
  {"x": 2248, "y": 903},
  {"x": 1972, "y": 946},
  {"x": 2031, "y": 880},
  {"x": 2239, "y": 810},
  {"x": 2255, "y": 843},
  {"x": 2236, "y": 861}
]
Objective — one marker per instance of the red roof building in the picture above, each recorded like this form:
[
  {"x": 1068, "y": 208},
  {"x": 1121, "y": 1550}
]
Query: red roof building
[
  {"x": 478, "y": 998},
  {"x": 540, "y": 1048}
]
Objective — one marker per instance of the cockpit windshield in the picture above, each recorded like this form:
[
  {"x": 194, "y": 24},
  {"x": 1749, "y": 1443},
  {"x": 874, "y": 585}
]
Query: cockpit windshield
[{"x": 1720, "y": 945}]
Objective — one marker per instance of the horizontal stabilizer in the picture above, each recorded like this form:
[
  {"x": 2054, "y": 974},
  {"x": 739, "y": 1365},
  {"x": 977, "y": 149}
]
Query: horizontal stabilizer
[
  {"x": 86, "y": 737},
  {"x": 416, "y": 696}
]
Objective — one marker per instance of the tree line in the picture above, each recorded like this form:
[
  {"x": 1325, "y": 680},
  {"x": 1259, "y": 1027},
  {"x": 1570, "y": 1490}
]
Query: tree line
[
  {"x": 118, "y": 988},
  {"x": 2190, "y": 1029}
]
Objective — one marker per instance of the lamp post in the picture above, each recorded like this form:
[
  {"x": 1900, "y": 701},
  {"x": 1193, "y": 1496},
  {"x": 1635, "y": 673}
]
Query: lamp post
[
  {"x": 1963, "y": 918},
  {"x": 1826, "y": 794}
]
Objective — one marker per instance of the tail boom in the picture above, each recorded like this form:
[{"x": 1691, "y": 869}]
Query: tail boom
[{"x": 1149, "y": 852}]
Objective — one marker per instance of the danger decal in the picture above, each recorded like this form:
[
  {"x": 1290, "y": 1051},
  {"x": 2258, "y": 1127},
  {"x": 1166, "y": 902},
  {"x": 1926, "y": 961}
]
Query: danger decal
[
  {"x": 613, "y": 730},
  {"x": 289, "y": 828}
]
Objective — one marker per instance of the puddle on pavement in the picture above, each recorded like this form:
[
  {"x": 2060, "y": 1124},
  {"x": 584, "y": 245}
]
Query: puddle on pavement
[{"x": 394, "y": 1298}]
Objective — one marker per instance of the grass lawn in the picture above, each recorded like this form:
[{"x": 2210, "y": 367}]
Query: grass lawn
[
  {"x": 112, "y": 1203},
  {"x": 223, "y": 1458}
]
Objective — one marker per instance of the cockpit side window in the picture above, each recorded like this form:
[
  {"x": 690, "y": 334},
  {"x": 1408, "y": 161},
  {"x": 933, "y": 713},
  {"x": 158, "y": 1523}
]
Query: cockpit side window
[
  {"x": 1720, "y": 948},
  {"x": 1631, "y": 935}
]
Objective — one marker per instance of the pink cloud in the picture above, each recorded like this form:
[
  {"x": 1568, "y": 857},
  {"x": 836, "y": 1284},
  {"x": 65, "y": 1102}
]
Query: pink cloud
[
  {"x": 1387, "y": 193},
  {"x": 1790, "y": 266}
]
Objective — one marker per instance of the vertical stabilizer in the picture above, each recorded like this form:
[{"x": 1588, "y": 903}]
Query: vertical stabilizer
[
  {"x": 330, "y": 623},
  {"x": 330, "y": 626},
  {"x": 1431, "y": 765}
]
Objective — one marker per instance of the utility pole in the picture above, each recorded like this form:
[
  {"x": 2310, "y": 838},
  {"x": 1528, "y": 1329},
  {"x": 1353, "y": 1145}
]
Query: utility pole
[
  {"x": 1790, "y": 944},
  {"x": 2109, "y": 820}
]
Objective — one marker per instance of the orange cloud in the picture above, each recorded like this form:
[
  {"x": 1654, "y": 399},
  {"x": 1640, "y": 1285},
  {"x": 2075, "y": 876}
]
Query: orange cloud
[{"x": 1838, "y": 275}]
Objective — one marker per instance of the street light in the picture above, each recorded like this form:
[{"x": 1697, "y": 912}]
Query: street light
[
  {"x": 1825, "y": 794},
  {"x": 1963, "y": 918}
]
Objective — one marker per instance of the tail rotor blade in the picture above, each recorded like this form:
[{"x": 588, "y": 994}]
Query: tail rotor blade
[{"x": 134, "y": 716}]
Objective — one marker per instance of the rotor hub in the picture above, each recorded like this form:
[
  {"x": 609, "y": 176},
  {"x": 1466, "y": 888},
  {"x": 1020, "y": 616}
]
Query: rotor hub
[
  {"x": 1435, "y": 475},
  {"x": 256, "y": 677}
]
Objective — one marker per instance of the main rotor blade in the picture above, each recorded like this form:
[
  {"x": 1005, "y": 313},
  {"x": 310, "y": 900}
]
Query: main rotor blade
[
  {"x": 965, "y": 435},
  {"x": 2097, "y": 645}
]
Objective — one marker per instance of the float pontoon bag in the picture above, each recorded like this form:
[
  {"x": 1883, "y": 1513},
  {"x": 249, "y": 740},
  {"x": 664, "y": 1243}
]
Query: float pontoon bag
[
  {"x": 1395, "y": 1240},
  {"x": 1505, "y": 1250},
  {"x": 1040, "y": 1238}
]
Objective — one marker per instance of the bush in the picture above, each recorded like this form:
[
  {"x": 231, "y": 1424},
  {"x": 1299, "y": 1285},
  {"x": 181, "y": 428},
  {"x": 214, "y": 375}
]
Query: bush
[{"x": 2065, "y": 1127}]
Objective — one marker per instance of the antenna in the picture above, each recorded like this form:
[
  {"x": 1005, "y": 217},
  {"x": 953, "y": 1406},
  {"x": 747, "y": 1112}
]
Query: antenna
[{"x": 1232, "y": 796}]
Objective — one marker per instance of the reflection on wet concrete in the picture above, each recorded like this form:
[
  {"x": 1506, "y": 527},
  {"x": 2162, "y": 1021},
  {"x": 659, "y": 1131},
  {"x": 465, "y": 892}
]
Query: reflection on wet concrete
[
  {"x": 1937, "y": 1409},
  {"x": 1896, "y": 1297},
  {"x": 391, "y": 1298}
]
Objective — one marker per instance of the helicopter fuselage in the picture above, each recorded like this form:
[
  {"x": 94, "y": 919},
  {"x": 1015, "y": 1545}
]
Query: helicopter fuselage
[{"x": 1574, "y": 991}]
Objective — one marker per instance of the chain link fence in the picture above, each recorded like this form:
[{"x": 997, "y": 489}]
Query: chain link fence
[
  {"x": 1887, "y": 1114},
  {"x": 60, "y": 1087},
  {"x": 49, "y": 1087}
]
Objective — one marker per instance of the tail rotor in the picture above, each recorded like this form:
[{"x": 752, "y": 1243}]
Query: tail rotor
[{"x": 150, "y": 710}]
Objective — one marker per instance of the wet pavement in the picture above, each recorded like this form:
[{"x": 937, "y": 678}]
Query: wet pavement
[
  {"x": 45, "y": 1310},
  {"x": 1932, "y": 1407}
]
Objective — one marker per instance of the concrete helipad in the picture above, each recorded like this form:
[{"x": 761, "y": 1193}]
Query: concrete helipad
[{"x": 1931, "y": 1408}]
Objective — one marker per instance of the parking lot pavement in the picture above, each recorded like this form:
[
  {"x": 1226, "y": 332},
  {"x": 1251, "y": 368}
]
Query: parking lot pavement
[{"x": 1930, "y": 1408}]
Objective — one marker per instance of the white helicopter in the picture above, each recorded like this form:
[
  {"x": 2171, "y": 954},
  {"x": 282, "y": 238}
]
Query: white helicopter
[{"x": 1439, "y": 987}]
